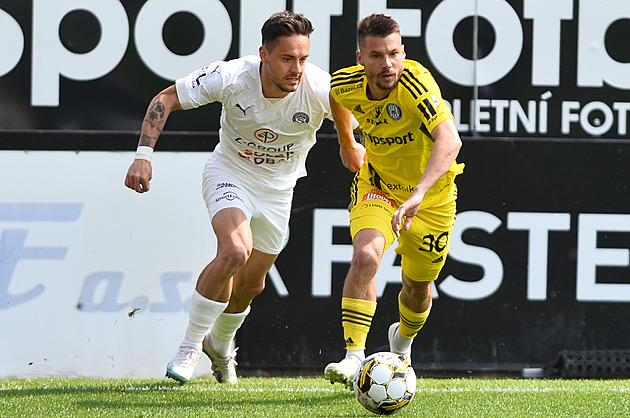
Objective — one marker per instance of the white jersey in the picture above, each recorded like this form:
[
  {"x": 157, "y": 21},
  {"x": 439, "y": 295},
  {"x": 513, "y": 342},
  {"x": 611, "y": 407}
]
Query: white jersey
[{"x": 262, "y": 139}]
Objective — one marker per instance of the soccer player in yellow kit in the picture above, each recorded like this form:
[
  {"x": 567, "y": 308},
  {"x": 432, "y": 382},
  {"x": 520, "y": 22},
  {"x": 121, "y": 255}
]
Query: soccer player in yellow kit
[{"x": 405, "y": 190}]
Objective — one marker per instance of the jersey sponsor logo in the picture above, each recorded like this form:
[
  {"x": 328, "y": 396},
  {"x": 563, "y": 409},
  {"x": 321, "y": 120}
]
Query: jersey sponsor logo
[
  {"x": 377, "y": 112},
  {"x": 390, "y": 140},
  {"x": 229, "y": 196},
  {"x": 402, "y": 187},
  {"x": 341, "y": 90},
  {"x": 260, "y": 158},
  {"x": 224, "y": 185},
  {"x": 265, "y": 135},
  {"x": 394, "y": 111},
  {"x": 376, "y": 122},
  {"x": 300, "y": 118},
  {"x": 375, "y": 194},
  {"x": 358, "y": 109},
  {"x": 284, "y": 148}
]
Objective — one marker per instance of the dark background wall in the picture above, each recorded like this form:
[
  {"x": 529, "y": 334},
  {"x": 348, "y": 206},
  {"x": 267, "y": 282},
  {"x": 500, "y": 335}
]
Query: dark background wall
[{"x": 565, "y": 155}]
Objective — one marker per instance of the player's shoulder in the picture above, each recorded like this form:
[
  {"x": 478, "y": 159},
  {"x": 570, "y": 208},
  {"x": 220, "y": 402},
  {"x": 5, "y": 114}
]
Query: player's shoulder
[
  {"x": 238, "y": 66},
  {"x": 348, "y": 75},
  {"x": 415, "y": 67},
  {"x": 346, "y": 80},
  {"x": 416, "y": 80}
]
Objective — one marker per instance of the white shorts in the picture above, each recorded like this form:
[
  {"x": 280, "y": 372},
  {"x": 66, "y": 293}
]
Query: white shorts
[{"x": 267, "y": 210}]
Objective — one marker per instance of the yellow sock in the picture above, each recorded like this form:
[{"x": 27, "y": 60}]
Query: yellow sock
[
  {"x": 356, "y": 319},
  {"x": 411, "y": 322}
]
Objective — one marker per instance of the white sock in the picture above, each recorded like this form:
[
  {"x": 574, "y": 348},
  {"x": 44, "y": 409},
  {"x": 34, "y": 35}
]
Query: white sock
[
  {"x": 189, "y": 344},
  {"x": 224, "y": 331},
  {"x": 401, "y": 344},
  {"x": 358, "y": 353},
  {"x": 203, "y": 313}
]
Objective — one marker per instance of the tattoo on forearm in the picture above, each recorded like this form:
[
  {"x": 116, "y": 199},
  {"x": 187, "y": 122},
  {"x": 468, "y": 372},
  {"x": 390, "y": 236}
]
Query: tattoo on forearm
[
  {"x": 157, "y": 111},
  {"x": 148, "y": 141},
  {"x": 155, "y": 116}
]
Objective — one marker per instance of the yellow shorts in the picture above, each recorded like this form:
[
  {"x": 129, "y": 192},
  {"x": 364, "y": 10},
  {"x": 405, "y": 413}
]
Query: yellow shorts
[{"x": 424, "y": 246}]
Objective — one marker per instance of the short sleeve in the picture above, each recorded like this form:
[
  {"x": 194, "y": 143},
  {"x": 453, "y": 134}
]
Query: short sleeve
[{"x": 200, "y": 87}]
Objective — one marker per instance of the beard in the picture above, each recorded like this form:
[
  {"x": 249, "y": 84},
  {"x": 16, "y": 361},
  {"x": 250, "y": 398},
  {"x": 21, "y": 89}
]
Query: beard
[
  {"x": 287, "y": 88},
  {"x": 386, "y": 85}
]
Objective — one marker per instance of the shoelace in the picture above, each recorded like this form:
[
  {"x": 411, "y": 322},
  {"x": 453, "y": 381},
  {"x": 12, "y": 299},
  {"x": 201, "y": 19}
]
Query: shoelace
[
  {"x": 188, "y": 356},
  {"x": 229, "y": 358}
]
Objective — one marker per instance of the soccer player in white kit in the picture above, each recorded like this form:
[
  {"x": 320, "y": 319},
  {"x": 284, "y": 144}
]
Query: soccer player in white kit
[{"x": 273, "y": 104}]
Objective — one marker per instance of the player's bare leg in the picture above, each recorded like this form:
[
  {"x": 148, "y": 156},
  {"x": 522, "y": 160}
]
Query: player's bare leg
[
  {"x": 414, "y": 304},
  {"x": 358, "y": 304},
  {"x": 218, "y": 344},
  {"x": 213, "y": 289}
]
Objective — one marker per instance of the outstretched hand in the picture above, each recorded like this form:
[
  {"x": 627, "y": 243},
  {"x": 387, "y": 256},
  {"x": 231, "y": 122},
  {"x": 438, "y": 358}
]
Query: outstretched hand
[{"x": 407, "y": 211}]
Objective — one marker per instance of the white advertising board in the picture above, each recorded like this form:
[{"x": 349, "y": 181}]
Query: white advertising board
[{"x": 95, "y": 279}]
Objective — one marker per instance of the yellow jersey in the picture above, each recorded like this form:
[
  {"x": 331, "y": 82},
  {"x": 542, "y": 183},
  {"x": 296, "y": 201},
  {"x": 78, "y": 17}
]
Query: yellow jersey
[{"x": 397, "y": 129}]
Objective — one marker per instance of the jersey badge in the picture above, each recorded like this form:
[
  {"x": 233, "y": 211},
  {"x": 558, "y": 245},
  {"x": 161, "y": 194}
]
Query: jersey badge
[
  {"x": 394, "y": 111},
  {"x": 300, "y": 118}
]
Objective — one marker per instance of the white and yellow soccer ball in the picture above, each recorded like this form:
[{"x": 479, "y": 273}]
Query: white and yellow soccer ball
[{"x": 384, "y": 383}]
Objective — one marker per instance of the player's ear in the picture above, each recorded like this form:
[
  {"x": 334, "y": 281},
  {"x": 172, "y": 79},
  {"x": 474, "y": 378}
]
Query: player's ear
[
  {"x": 262, "y": 51},
  {"x": 359, "y": 59}
]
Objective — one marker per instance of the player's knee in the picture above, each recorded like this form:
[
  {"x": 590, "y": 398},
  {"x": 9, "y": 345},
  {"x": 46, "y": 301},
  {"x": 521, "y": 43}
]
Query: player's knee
[
  {"x": 419, "y": 294},
  {"x": 417, "y": 291},
  {"x": 366, "y": 259},
  {"x": 233, "y": 257},
  {"x": 249, "y": 291}
]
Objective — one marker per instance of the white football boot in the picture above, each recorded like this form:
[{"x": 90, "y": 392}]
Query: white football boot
[
  {"x": 182, "y": 367},
  {"x": 344, "y": 371},
  {"x": 223, "y": 368}
]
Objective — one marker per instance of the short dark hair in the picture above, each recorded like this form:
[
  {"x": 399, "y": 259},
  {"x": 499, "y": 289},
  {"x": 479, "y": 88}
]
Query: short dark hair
[
  {"x": 284, "y": 24},
  {"x": 377, "y": 25}
]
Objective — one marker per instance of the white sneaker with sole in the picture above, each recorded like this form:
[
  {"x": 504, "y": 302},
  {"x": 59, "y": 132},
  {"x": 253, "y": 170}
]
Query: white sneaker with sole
[
  {"x": 344, "y": 371},
  {"x": 391, "y": 334},
  {"x": 182, "y": 367},
  {"x": 223, "y": 368}
]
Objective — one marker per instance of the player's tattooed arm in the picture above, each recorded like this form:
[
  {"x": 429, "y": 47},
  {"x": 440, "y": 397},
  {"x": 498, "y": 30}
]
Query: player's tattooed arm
[
  {"x": 140, "y": 172},
  {"x": 157, "y": 114},
  {"x": 154, "y": 121}
]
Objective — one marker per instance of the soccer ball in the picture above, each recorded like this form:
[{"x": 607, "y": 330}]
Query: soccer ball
[{"x": 384, "y": 383}]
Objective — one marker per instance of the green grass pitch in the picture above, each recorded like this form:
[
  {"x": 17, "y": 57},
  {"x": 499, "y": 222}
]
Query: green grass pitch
[{"x": 308, "y": 397}]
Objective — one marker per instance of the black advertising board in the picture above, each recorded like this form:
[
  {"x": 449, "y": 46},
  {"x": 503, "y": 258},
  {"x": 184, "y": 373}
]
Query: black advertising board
[
  {"x": 528, "y": 68},
  {"x": 540, "y": 256},
  {"x": 538, "y": 264}
]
